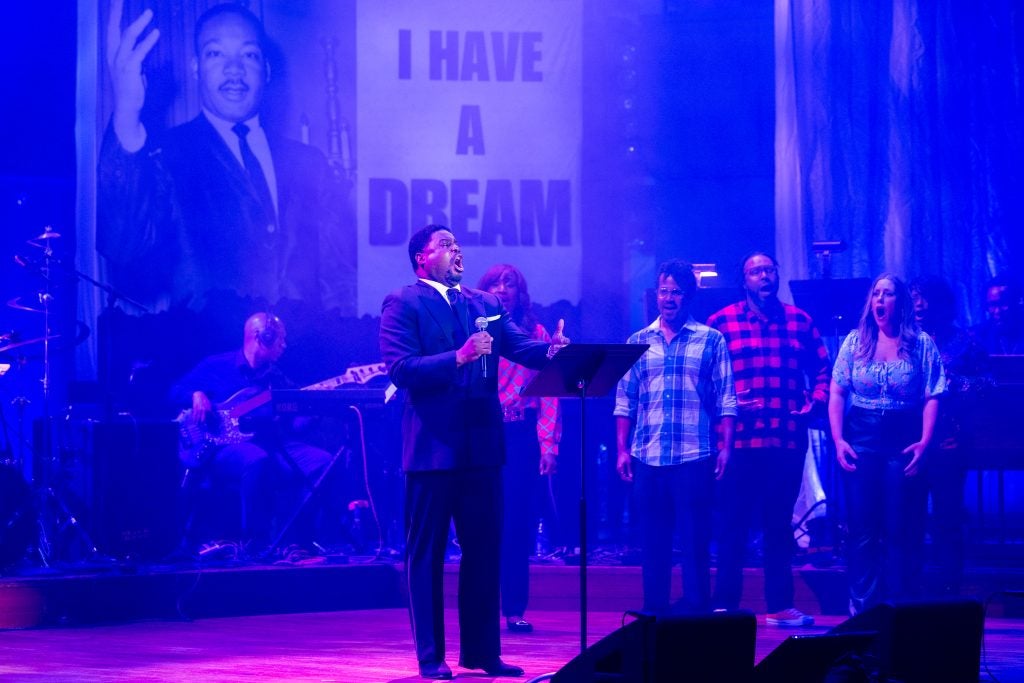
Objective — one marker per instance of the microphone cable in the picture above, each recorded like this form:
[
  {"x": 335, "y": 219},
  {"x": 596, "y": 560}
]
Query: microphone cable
[{"x": 369, "y": 490}]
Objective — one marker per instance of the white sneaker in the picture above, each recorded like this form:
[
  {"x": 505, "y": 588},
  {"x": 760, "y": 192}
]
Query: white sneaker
[{"x": 789, "y": 617}]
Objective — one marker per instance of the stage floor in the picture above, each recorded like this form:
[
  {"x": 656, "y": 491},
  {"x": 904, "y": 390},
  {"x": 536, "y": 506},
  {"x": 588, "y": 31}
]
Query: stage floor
[
  {"x": 347, "y": 622},
  {"x": 355, "y": 646}
]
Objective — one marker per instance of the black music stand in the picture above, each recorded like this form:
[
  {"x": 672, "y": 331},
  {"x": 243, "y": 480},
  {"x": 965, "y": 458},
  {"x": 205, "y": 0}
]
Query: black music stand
[
  {"x": 578, "y": 371},
  {"x": 834, "y": 305}
]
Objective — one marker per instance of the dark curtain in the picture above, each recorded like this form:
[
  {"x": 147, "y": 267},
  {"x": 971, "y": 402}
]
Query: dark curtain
[{"x": 899, "y": 131}]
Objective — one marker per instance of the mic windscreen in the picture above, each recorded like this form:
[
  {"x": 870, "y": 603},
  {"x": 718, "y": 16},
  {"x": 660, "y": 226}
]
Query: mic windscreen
[{"x": 481, "y": 323}]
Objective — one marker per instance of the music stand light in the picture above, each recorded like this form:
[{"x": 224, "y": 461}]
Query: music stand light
[
  {"x": 706, "y": 273},
  {"x": 824, "y": 249}
]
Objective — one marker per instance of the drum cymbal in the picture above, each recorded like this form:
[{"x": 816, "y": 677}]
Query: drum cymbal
[
  {"x": 25, "y": 342},
  {"x": 17, "y": 304},
  {"x": 43, "y": 241}
]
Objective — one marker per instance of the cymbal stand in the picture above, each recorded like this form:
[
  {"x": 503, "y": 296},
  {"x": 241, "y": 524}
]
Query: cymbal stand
[
  {"x": 18, "y": 457},
  {"x": 7, "y": 453},
  {"x": 50, "y": 500}
]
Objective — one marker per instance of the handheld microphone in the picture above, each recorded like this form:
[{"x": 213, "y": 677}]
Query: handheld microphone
[{"x": 481, "y": 326}]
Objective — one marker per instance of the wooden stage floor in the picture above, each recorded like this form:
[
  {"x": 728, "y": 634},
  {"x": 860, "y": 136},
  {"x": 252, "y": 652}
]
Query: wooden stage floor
[
  {"x": 348, "y": 622},
  {"x": 354, "y": 646}
]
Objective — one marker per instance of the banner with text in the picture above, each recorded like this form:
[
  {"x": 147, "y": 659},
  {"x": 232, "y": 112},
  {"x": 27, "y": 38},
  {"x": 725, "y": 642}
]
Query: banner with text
[{"x": 469, "y": 115}]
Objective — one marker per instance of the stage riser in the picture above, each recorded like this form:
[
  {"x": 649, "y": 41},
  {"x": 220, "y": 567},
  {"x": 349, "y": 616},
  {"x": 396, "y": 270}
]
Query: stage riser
[
  {"x": 617, "y": 589},
  {"x": 190, "y": 593},
  {"x": 82, "y": 600}
]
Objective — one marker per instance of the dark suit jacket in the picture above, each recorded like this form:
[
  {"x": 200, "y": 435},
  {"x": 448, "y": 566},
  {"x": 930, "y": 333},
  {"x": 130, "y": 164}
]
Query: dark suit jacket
[
  {"x": 452, "y": 416},
  {"x": 180, "y": 218}
]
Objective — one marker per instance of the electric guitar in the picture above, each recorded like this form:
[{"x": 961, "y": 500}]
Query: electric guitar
[{"x": 197, "y": 440}]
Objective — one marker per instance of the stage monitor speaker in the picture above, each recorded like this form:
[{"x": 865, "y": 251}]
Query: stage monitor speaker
[
  {"x": 692, "y": 649},
  {"x": 811, "y": 658},
  {"x": 130, "y": 481},
  {"x": 922, "y": 642}
]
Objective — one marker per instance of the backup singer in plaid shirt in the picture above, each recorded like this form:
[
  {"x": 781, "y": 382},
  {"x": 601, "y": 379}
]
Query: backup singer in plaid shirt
[
  {"x": 533, "y": 429},
  {"x": 672, "y": 396},
  {"x": 781, "y": 369}
]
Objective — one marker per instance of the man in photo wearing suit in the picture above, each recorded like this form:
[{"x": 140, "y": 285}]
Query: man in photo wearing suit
[
  {"x": 453, "y": 445},
  {"x": 218, "y": 202}
]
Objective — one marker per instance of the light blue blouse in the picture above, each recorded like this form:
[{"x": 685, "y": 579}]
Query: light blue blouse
[{"x": 890, "y": 385}]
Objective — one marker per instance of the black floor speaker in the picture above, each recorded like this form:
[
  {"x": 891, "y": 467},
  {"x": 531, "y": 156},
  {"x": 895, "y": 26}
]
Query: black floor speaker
[
  {"x": 129, "y": 479},
  {"x": 815, "y": 658},
  {"x": 692, "y": 649},
  {"x": 923, "y": 642}
]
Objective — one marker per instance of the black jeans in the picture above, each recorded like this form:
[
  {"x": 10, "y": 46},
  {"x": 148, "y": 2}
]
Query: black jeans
[
  {"x": 885, "y": 508},
  {"x": 675, "y": 497},
  {"x": 768, "y": 480},
  {"x": 521, "y": 476}
]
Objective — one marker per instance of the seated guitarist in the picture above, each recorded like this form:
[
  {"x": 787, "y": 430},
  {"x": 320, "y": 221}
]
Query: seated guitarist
[{"x": 262, "y": 459}]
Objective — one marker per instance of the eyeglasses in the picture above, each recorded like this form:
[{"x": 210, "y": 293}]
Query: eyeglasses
[
  {"x": 758, "y": 271},
  {"x": 665, "y": 293}
]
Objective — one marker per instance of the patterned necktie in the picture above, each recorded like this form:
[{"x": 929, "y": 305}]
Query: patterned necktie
[
  {"x": 256, "y": 176},
  {"x": 460, "y": 311}
]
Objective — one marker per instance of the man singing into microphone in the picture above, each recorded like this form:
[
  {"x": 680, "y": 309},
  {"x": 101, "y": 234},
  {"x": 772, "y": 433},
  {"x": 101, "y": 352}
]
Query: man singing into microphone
[{"x": 453, "y": 445}]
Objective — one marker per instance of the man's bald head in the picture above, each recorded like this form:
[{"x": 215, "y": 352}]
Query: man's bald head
[{"x": 264, "y": 338}]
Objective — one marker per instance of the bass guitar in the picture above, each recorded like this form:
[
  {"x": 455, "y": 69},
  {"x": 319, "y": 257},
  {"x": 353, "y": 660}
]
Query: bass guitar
[{"x": 197, "y": 440}]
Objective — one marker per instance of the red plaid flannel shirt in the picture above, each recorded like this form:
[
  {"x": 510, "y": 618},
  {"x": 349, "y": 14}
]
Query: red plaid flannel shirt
[
  {"x": 775, "y": 359},
  {"x": 511, "y": 380}
]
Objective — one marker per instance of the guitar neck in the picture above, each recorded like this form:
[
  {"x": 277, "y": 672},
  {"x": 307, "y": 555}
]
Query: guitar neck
[
  {"x": 249, "y": 405},
  {"x": 356, "y": 375}
]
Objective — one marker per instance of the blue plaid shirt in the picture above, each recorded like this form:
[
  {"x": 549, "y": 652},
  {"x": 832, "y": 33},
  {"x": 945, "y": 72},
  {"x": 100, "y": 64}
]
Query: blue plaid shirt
[{"x": 674, "y": 393}]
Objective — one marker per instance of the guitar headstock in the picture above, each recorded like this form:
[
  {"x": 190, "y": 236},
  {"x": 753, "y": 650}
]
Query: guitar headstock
[{"x": 359, "y": 374}]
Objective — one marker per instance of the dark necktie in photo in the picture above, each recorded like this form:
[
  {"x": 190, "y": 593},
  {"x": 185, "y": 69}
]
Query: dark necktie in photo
[{"x": 256, "y": 175}]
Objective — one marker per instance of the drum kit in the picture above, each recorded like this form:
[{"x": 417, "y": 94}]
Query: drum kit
[{"x": 32, "y": 512}]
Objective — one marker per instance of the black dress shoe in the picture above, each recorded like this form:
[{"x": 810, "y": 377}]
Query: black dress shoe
[
  {"x": 438, "y": 671},
  {"x": 495, "y": 667},
  {"x": 518, "y": 625}
]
